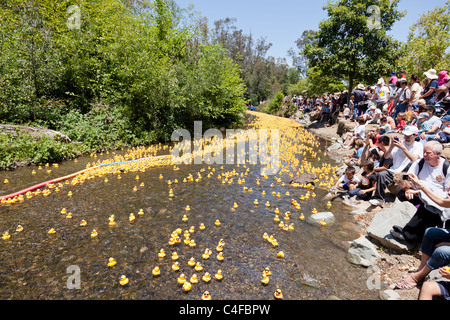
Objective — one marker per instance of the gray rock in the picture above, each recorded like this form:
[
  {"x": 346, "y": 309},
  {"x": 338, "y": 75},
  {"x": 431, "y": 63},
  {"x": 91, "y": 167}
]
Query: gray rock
[
  {"x": 317, "y": 218},
  {"x": 334, "y": 147},
  {"x": 399, "y": 214},
  {"x": 389, "y": 295},
  {"x": 362, "y": 252},
  {"x": 435, "y": 276}
]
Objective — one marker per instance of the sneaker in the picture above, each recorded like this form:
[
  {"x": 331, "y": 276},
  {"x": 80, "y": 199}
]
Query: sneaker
[
  {"x": 376, "y": 202},
  {"x": 397, "y": 235}
]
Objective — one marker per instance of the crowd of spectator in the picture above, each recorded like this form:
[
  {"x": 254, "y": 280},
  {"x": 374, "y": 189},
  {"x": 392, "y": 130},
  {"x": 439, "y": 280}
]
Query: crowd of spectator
[{"x": 402, "y": 127}]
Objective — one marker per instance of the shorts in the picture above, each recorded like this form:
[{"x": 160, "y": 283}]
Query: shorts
[{"x": 445, "y": 289}]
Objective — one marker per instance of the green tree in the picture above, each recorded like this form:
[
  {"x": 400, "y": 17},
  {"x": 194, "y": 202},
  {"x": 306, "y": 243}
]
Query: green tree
[
  {"x": 428, "y": 42},
  {"x": 352, "y": 44}
]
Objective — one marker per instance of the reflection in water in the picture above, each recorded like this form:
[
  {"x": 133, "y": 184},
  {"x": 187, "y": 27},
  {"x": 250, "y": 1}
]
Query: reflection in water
[{"x": 34, "y": 263}]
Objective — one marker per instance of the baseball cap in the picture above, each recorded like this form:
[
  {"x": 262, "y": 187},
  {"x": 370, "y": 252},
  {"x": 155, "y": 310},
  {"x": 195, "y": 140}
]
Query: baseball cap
[
  {"x": 410, "y": 130},
  {"x": 423, "y": 115},
  {"x": 446, "y": 118}
]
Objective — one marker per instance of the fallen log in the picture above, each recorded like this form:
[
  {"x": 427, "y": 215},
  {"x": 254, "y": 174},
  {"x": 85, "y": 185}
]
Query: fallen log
[{"x": 15, "y": 130}]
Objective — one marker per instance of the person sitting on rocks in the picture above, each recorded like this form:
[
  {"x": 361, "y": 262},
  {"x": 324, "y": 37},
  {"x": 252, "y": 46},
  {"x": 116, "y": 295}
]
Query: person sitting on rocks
[
  {"x": 347, "y": 181},
  {"x": 354, "y": 159},
  {"x": 443, "y": 135},
  {"x": 435, "y": 123},
  {"x": 367, "y": 184},
  {"x": 359, "y": 133},
  {"x": 433, "y": 171},
  {"x": 402, "y": 153},
  {"x": 435, "y": 250}
]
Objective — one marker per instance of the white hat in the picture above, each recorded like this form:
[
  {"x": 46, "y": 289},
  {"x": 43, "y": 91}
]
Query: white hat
[
  {"x": 381, "y": 80},
  {"x": 361, "y": 86},
  {"x": 431, "y": 74},
  {"x": 410, "y": 130}
]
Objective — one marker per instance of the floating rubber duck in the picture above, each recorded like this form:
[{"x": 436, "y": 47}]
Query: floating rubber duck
[
  {"x": 181, "y": 279},
  {"x": 69, "y": 193},
  {"x": 6, "y": 235},
  {"x": 206, "y": 254},
  {"x": 188, "y": 208},
  {"x": 255, "y": 202},
  {"x": 202, "y": 226},
  {"x": 176, "y": 266},
  {"x": 277, "y": 210},
  {"x": 123, "y": 280},
  {"x": 186, "y": 286},
  {"x": 323, "y": 222},
  {"x": 280, "y": 254},
  {"x": 198, "y": 267},
  {"x": 69, "y": 215},
  {"x": 217, "y": 223},
  {"x": 51, "y": 231},
  {"x": 6, "y": 181},
  {"x": 132, "y": 217},
  {"x": 135, "y": 188},
  {"x": 329, "y": 205},
  {"x": 112, "y": 220},
  {"x": 83, "y": 223},
  {"x": 278, "y": 294},
  {"x": 235, "y": 205},
  {"x": 175, "y": 256},
  {"x": 191, "y": 229},
  {"x": 194, "y": 279},
  {"x": 63, "y": 211},
  {"x": 33, "y": 172},
  {"x": 267, "y": 204},
  {"x": 94, "y": 233},
  {"x": 281, "y": 224},
  {"x": 265, "y": 236},
  {"x": 220, "y": 256},
  {"x": 276, "y": 218},
  {"x": 156, "y": 271},
  {"x": 19, "y": 228},
  {"x": 161, "y": 253},
  {"x": 140, "y": 212},
  {"x": 219, "y": 275},
  {"x": 267, "y": 271},
  {"x": 264, "y": 279},
  {"x": 111, "y": 262},
  {"x": 191, "y": 262},
  {"x": 314, "y": 211},
  {"x": 206, "y": 277},
  {"x": 192, "y": 243},
  {"x": 291, "y": 227},
  {"x": 206, "y": 296},
  {"x": 302, "y": 216},
  {"x": 185, "y": 218}
]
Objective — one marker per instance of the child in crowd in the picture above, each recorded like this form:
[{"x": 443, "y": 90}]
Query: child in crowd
[
  {"x": 367, "y": 184},
  {"x": 401, "y": 123},
  {"x": 443, "y": 135},
  {"x": 346, "y": 112},
  {"x": 353, "y": 160},
  {"x": 384, "y": 126},
  {"x": 347, "y": 181}
]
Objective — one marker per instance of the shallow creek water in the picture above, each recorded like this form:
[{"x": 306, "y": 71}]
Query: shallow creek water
[{"x": 34, "y": 264}]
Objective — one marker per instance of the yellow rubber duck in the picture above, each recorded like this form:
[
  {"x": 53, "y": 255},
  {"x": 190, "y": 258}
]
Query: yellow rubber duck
[
  {"x": 202, "y": 226},
  {"x": 267, "y": 204},
  {"x": 83, "y": 223},
  {"x": 33, "y": 172},
  {"x": 217, "y": 223},
  {"x": 206, "y": 277},
  {"x": 219, "y": 275},
  {"x": 181, "y": 279},
  {"x": 175, "y": 256},
  {"x": 19, "y": 228},
  {"x": 206, "y": 296},
  {"x": 69, "y": 215},
  {"x": 255, "y": 202},
  {"x": 188, "y": 208},
  {"x": 132, "y": 217},
  {"x": 185, "y": 218},
  {"x": 161, "y": 253},
  {"x": 281, "y": 224},
  {"x": 278, "y": 294},
  {"x": 51, "y": 231},
  {"x": 263, "y": 193},
  {"x": 186, "y": 286},
  {"x": 111, "y": 262},
  {"x": 156, "y": 271},
  {"x": 265, "y": 236},
  {"x": 63, "y": 211},
  {"x": 277, "y": 210},
  {"x": 276, "y": 218},
  {"x": 140, "y": 212},
  {"x": 302, "y": 216},
  {"x": 123, "y": 280},
  {"x": 6, "y": 181},
  {"x": 6, "y": 235},
  {"x": 94, "y": 233},
  {"x": 235, "y": 205},
  {"x": 329, "y": 205},
  {"x": 220, "y": 256},
  {"x": 291, "y": 227},
  {"x": 69, "y": 194},
  {"x": 206, "y": 254},
  {"x": 267, "y": 271},
  {"x": 264, "y": 279},
  {"x": 176, "y": 266},
  {"x": 198, "y": 267},
  {"x": 191, "y": 229},
  {"x": 192, "y": 243},
  {"x": 314, "y": 211},
  {"x": 194, "y": 279},
  {"x": 323, "y": 222},
  {"x": 280, "y": 254},
  {"x": 191, "y": 262}
]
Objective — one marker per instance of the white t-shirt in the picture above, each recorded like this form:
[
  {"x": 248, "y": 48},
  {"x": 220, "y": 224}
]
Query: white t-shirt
[
  {"x": 360, "y": 131},
  {"x": 433, "y": 175},
  {"x": 345, "y": 179},
  {"x": 382, "y": 93},
  {"x": 400, "y": 160},
  {"x": 435, "y": 121},
  {"x": 417, "y": 88}
]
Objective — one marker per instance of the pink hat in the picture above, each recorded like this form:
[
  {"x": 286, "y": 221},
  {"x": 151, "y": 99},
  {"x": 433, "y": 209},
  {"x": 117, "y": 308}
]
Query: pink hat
[{"x": 443, "y": 77}]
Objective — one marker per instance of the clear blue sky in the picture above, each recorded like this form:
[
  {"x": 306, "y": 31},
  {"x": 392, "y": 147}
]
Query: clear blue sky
[{"x": 282, "y": 22}]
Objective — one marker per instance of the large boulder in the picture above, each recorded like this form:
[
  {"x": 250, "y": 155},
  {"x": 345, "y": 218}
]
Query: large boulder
[
  {"x": 304, "y": 178},
  {"x": 362, "y": 252},
  {"x": 317, "y": 218},
  {"x": 399, "y": 214}
]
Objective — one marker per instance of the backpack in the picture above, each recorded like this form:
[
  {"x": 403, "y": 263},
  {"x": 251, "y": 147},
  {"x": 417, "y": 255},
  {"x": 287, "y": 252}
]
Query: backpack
[{"x": 444, "y": 168}]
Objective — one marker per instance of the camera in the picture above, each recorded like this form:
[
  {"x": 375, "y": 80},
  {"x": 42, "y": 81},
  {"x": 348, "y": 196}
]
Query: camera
[
  {"x": 406, "y": 177},
  {"x": 396, "y": 139}
]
